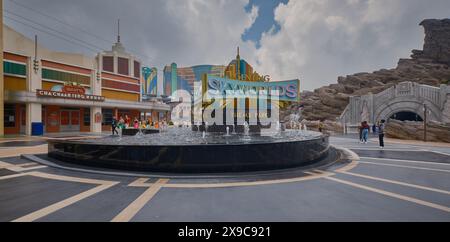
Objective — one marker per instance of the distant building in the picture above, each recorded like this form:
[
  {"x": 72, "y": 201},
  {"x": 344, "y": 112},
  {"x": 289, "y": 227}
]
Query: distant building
[
  {"x": 183, "y": 78},
  {"x": 150, "y": 83}
]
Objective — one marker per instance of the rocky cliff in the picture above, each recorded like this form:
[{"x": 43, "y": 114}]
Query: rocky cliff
[
  {"x": 436, "y": 132},
  {"x": 429, "y": 66}
]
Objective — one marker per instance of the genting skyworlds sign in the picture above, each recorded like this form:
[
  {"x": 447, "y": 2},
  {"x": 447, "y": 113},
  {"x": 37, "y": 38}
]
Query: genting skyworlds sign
[{"x": 219, "y": 87}]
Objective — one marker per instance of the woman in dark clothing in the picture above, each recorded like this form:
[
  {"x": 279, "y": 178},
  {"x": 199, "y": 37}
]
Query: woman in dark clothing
[{"x": 381, "y": 133}]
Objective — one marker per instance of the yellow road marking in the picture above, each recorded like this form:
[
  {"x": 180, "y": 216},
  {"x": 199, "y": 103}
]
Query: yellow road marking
[
  {"x": 244, "y": 184},
  {"x": 40, "y": 149},
  {"x": 397, "y": 182},
  {"x": 408, "y": 161},
  {"x": 391, "y": 194},
  {"x": 19, "y": 167},
  {"x": 13, "y": 176},
  {"x": 129, "y": 212},
  {"x": 141, "y": 182},
  {"x": 103, "y": 185},
  {"x": 71, "y": 179},
  {"x": 62, "y": 204},
  {"x": 402, "y": 166},
  {"x": 348, "y": 167}
]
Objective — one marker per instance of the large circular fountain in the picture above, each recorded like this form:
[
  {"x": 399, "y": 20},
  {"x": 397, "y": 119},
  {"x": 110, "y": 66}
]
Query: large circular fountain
[{"x": 181, "y": 150}]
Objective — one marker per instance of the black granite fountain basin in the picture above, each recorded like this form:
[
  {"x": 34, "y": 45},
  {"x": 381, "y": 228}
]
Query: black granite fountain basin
[
  {"x": 242, "y": 156},
  {"x": 131, "y": 132}
]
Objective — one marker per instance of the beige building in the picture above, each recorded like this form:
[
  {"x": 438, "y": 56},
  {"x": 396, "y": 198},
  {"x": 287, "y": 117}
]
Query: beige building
[{"x": 69, "y": 92}]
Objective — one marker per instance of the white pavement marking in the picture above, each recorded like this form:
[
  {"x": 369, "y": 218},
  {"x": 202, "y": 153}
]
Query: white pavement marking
[
  {"x": 397, "y": 182},
  {"x": 408, "y": 161},
  {"x": 391, "y": 194},
  {"x": 129, "y": 212},
  {"x": 410, "y": 167},
  {"x": 438, "y": 152}
]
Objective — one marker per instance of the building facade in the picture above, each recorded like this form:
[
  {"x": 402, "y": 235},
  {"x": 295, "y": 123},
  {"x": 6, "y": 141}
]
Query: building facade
[
  {"x": 69, "y": 92},
  {"x": 394, "y": 102},
  {"x": 183, "y": 78}
]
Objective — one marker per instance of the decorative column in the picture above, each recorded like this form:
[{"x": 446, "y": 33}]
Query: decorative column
[
  {"x": 34, "y": 82},
  {"x": 96, "y": 87},
  {"x": 96, "y": 119}
]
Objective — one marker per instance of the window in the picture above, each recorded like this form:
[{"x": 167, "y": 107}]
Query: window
[
  {"x": 10, "y": 116},
  {"x": 14, "y": 68},
  {"x": 108, "y": 63},
  {"x": 87, "y": 117},
  {"x": 107, "y": 116},
  {"x": 123, "y": 65},
  {"x": 137, "y": 69},
  {"x": 65, "y": 77}
]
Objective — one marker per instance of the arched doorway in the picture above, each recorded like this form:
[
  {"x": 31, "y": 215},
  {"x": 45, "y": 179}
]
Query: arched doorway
[{"x": 407, "y": 116}]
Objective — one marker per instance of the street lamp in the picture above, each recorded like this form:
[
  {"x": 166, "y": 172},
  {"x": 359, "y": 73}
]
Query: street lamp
[{"x": 425, "y": 113}]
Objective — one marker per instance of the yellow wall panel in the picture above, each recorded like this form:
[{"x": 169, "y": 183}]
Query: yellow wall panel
[
  {"x": 15, "y": 83},
  {"x": 48, "y": 85},
  {"x": 117, "y": 95}
]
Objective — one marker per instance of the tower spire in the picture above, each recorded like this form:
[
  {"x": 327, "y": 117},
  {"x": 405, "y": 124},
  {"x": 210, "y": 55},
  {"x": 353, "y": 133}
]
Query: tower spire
[
  {"x": 238, "y": 65},
  {"x": 118, "y": 30}
]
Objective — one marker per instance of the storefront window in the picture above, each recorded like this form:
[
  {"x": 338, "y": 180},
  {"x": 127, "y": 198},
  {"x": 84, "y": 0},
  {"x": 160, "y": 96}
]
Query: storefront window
[
  {"x": 107, "y": 116},
  {"x": 87, "y": 117},
  {"x": 10, "y": 115}
]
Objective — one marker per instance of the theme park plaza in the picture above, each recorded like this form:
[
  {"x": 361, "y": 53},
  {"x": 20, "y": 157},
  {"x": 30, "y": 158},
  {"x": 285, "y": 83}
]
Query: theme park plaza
[{"x": 107, "y": 139}]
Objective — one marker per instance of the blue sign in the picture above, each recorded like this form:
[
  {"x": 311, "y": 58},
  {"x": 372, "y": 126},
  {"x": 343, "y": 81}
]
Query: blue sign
[{"x": 219, "y": 87}]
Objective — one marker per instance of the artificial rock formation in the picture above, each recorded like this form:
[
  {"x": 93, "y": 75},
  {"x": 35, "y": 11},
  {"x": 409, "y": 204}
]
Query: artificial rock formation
[
  {"x": 436, "y": 132},
  {"x": 431, "y": 66}
]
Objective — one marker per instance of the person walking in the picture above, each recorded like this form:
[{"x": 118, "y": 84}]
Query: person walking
[
  {"x": 381, "y": 133},
  {"x": 360, "y": 128},
  {"x": 114, "y": 126},
  {"x": 365, "y": 132}
]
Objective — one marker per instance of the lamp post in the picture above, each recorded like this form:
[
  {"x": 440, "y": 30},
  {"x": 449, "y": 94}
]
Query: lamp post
[{"x": 425, "y": 111}]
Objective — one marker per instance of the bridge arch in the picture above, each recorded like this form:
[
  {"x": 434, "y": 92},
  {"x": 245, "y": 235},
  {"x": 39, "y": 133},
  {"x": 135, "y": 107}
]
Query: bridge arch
[{"x": 401, "y": 104}]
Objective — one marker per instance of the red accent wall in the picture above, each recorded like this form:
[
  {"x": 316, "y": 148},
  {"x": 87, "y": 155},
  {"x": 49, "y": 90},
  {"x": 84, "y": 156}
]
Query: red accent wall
[
  {"x": 123, "y": 66},
  {"x": 120, "y": 85},
  {"x": 108, "y": 63},
  {"x": 65, "y": 67},
  {"x": 14, "y": 57}
]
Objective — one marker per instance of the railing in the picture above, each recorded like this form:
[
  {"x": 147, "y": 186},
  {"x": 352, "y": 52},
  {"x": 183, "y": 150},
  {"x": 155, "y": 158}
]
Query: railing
[{"x": 430, "y": 93}]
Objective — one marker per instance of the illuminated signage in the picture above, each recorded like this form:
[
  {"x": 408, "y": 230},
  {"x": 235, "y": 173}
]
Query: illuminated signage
[
  {"x": 219, "y": 87},
  {"x": 72, "y": 94}
]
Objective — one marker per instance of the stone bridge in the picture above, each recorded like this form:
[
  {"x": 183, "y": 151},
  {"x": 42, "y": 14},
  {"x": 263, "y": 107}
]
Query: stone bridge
[{"x": 404, "y": 97}]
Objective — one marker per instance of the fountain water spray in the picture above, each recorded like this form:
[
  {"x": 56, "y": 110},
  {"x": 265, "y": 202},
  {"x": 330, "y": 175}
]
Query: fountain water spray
[{"x": 247, "y": 136}]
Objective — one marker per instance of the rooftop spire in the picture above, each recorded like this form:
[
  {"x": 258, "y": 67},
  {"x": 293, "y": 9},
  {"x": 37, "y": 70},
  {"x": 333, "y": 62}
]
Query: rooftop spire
[
  {"x": 238, "y": 56},
  {"x": 118, "y": 30}
]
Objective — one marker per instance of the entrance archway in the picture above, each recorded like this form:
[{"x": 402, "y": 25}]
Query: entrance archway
[{"x": 407, "y": 116}]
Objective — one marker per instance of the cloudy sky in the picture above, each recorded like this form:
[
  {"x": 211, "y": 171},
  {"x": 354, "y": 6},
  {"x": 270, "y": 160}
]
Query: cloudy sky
[{"x": 313, "y": 40}]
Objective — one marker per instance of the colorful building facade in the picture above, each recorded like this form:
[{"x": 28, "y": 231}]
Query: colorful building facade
[
  {"x": 69, "y": 92},
  {"x": 150, "y": 84},
  {"x": 183, "y": 78}
]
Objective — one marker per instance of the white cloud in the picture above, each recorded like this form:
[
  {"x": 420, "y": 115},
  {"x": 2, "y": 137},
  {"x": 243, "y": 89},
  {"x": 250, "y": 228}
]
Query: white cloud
[{"x": 318, "y": 40}]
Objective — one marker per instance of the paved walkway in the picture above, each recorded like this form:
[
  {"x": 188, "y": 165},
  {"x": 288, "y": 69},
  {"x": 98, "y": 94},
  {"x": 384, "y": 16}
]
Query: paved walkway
[{"x": 403, "y": 182}]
